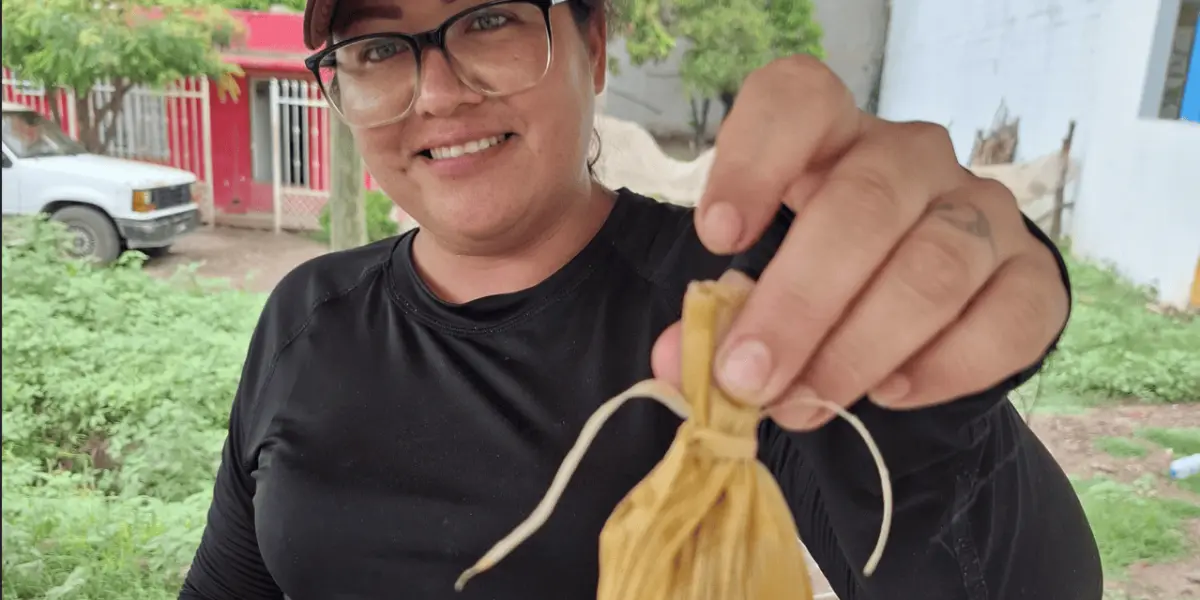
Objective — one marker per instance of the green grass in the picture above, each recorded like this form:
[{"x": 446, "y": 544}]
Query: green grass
[
  {"x": 1114, "y": 351},
  {"x": 1036, "y": 397},
  {"x": 63, "y": 541},
  {"x": 1132, "y": 524},
  {"x": 1182, "y": 441},
  {"x": 1121, "y": 447},
  {"x": 1115, "y": 348},
  {"x": 1191, "y": 484}
]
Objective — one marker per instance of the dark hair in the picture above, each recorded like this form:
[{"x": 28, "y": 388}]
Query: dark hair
[{"x": 584, "y": 11}]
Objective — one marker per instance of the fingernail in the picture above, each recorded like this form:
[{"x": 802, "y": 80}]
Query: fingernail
[
  {"x": 746, "y": 368},
  {"x": 722, "y": 226},
  {"x": 892, "y": 390},
  {"x": 737, "y": 279}
]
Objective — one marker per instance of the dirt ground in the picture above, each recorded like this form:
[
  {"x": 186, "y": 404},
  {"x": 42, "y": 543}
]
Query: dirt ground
[
  {"x": 1071, "y": 438},
  {"x": 252, "y": 260},
  {"x": 233, "y": 253}
]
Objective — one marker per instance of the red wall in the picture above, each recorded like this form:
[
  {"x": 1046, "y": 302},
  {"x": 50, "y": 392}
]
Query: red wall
[
  {"x": 234, "y": 187},
  {"x": 275, "y": 32},
  {"x": 272, "y": 46},
  {"x": 231, "y": 149}
]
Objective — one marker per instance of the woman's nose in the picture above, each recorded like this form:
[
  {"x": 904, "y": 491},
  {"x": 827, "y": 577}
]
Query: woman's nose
[{"x": 440, "y": 91}]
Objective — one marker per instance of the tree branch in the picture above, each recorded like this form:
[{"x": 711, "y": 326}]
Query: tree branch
[
  {"x": 52, "y": 98},
  {"x": 111, "y": 109}
]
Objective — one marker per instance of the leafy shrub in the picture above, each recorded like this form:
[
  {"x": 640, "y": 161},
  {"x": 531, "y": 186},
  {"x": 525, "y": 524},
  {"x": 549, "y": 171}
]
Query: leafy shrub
[
  {"x": 116, "y": 393},
  {"x": 380, "y": 225},
  {"x": 1115, "y": 347},
  {"x": 64, "y": 539}
]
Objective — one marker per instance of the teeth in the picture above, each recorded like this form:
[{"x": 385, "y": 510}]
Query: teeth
[{"x": 468, "y": 148}]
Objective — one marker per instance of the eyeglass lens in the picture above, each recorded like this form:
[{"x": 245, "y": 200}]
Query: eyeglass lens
[{"x": 495, "y": 50}]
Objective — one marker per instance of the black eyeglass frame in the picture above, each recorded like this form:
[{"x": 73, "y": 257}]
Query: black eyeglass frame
[{"x": 433, "y": 38}]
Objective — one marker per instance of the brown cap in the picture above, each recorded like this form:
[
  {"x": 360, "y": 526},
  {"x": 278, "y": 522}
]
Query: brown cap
[{"x": 318, "y": 17}]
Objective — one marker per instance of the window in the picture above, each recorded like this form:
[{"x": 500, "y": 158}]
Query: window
[
  {"x": 295, "y": 135},
  {"x": 28, "y": 134},
  {"x": 1181, "y": 96}
]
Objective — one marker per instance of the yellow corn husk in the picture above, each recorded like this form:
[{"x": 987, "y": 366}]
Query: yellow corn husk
[{"x": 709, "y": 521}]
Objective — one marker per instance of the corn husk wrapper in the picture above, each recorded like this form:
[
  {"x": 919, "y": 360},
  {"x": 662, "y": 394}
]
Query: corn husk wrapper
[{"x": 709, "y": 521}]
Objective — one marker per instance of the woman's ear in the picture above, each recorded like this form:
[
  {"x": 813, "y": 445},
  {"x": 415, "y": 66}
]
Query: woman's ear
[{"x": 597, "y": 41}]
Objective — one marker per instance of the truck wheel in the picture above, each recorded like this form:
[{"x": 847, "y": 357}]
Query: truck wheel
[{"x": 93, "y": 235}]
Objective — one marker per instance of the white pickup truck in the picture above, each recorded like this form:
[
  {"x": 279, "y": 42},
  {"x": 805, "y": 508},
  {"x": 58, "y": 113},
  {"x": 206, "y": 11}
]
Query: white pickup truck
[{"x": 109, "y": 204}]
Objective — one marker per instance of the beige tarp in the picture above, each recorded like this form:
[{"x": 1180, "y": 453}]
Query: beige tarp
[{"x": 632, "y": 159}]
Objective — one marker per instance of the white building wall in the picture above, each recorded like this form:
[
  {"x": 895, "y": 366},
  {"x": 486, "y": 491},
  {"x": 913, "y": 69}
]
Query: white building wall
[
  {"x": 1099, "y": 62},
  {"x": 956, "y": 62},
  {"x": 1139, "y": 198}
]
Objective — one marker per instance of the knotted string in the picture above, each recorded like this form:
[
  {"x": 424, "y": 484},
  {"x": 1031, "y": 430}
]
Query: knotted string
[
  {"x": 725, "y": 446},
  {"x": 718, "y": 443}
]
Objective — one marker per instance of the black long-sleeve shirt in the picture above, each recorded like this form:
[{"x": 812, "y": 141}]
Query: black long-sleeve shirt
[{"x": 381, "y": 440}]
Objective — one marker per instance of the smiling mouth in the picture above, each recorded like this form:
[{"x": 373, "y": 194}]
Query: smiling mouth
[{"x": 473, "y": 147}]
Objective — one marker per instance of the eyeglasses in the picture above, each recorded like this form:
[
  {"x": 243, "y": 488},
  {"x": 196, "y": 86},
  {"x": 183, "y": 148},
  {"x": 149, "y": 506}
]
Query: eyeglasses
[{"x": 498, "y": 48}]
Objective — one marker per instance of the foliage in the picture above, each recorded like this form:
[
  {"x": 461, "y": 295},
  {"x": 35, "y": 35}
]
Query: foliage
[
  {"x": 77, "y": 44},
  {"x": 726, "y": 39},
  {"x": 1132, "y": 523},
  {"x": 380, "y": 225},
  {"x": 1114, "y": 347},
  {"x": 116, "y": 390},
  {"x": 1120, "y": 447},
  {"x": 263, "y": 5},
  {"x": 65, "y": 539}
]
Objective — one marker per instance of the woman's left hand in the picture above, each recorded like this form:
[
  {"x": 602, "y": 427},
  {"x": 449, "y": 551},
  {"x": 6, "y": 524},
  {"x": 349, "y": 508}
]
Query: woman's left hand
[{"x": 904, "y": 277}]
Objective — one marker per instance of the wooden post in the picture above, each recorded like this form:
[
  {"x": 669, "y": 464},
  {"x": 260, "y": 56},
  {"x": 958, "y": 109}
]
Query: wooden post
[
  {"x": 1060, "y": 205},
  {"x": 347, "y": 210}
]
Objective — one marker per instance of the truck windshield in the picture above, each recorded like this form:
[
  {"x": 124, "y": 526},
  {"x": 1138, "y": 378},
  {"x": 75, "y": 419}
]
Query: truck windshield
[{"x": 30, "y": 135}]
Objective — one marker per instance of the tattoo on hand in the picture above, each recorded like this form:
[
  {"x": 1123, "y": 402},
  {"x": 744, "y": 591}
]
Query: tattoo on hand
[{"x": 966, "y": 217}]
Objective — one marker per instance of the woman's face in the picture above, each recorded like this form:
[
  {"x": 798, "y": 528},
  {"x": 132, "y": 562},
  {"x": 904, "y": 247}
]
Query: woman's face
[{"x": 506, "y": 190}]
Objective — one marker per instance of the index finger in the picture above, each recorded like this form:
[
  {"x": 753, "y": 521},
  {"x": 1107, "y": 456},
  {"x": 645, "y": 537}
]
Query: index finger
[
  {"x": 791, "y": 114},
  {"x": 841, "y": 236}
]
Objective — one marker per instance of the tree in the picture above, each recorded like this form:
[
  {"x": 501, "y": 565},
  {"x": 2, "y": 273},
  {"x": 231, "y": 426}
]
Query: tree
[
  {"x": 77, "y": 44},
  {"x": 726, "y": 41},
  {"x": 347, "y": 204},
  {"x": 263, "y": 5}
]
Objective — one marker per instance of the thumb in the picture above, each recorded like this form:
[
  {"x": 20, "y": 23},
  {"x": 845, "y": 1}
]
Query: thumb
[{"x": 666, "y": 359}]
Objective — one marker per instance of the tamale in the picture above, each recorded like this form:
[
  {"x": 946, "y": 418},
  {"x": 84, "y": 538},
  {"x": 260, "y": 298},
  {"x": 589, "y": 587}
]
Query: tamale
[{"x": 709, "y": 521}]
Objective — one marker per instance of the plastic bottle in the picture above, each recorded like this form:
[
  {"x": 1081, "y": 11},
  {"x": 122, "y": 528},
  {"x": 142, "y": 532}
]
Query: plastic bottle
[{"x": 1185, "y": 467}]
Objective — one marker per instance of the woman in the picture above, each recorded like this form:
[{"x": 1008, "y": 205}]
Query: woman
[{"x": 404, "y": 404}]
